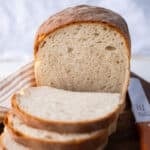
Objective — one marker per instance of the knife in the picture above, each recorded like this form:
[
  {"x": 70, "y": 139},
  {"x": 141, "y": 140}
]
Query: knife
[{"x": 141, "y": 111}]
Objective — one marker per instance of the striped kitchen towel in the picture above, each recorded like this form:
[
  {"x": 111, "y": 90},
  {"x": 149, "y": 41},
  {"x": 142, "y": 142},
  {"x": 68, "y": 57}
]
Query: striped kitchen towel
[{"x": 22, "y": 78}]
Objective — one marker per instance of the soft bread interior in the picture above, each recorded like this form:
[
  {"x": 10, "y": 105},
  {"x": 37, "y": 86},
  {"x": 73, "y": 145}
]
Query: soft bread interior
[
  {"x": 62, "y": 105},
  {"x": 83, "y": 57}
]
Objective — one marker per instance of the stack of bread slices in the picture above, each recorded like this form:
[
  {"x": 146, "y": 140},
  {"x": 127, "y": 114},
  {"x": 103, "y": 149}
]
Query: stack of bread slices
[{"x": 82, "y": 61}]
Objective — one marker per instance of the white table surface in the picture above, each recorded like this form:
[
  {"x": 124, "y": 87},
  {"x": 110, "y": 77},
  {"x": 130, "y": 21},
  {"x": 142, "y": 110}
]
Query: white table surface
[{"x": 139, "y": 65}]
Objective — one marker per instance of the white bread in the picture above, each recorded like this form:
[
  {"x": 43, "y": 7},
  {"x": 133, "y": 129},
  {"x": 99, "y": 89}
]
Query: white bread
[
  {"x": 66, "y": 111},
  {"x": 7, "y": 143},
  {"x": 45, "y": 140},
  {"x": 84, "y": 48}
]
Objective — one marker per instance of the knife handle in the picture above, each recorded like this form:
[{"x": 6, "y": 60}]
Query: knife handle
[{"x": 144, "y": 131}]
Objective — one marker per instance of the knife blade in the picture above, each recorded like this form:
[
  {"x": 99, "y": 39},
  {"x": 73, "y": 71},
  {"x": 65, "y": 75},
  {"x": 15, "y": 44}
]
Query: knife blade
[{"x": 141, "y": 111}]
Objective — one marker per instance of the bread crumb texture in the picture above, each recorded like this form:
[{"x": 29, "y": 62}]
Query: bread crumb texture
[{"x": 83, "y": 57}]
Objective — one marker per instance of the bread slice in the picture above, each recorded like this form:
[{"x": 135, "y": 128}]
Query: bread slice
[
  {"x": 7, "y": 143},
  {"x": 66, "y": 111},
  {"x": 84, "y": 48},
  {"x": 45, "y": 140}
]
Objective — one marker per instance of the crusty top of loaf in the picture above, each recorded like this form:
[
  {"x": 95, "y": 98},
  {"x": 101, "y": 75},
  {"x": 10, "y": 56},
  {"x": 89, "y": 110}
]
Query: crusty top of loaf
[{"x": 82, "y": 13}]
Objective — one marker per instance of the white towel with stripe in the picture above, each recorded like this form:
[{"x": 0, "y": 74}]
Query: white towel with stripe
[{"x": 23, "y": 78}]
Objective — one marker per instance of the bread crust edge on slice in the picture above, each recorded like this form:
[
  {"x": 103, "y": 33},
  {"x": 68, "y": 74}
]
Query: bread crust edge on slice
[
  {"x": 64, "y": 127},
  {"x": 88, "y": 143}
]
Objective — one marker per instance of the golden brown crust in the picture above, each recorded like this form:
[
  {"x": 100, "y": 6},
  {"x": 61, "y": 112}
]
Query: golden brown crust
[
  {"x": 64, "y": 127},
  {"x": 90, "y": 143},
  {"x": 83, "y": 14}
]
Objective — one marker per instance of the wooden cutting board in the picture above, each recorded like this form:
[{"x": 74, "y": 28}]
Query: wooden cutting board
[{"x": 126, "y": 137}]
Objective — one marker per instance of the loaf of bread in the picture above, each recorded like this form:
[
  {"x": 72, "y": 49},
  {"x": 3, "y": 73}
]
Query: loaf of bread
[
  {"x": 44, "y": 140},
  {"x": 66, "y": 111},
  {"x": 82, "y": 69},
  {"x": 83, "y": 48}
]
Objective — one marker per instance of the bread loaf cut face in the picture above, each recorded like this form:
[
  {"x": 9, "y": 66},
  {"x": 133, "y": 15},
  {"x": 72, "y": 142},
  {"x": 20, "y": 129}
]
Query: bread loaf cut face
[
  {"x": 82, "y": 57},
  {"x": 66, "y": 111},
  {"x": 83, "y": 48},
  {"x": 45, "y": 140}
]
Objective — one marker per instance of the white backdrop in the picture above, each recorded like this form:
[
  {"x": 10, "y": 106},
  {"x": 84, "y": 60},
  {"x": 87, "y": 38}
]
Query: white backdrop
[{"x": 19, "y": 20}]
